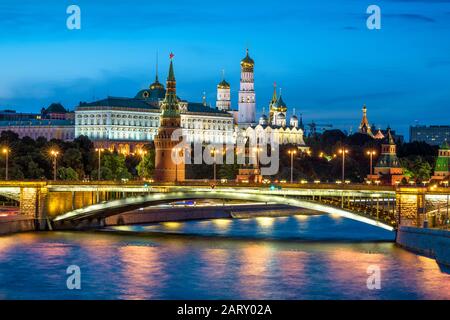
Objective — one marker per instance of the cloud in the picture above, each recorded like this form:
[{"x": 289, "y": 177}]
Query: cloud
[{"x": 410, "y": 16}]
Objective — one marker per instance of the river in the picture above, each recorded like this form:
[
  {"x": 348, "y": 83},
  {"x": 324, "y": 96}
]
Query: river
[{"x": 298, "y": 257}]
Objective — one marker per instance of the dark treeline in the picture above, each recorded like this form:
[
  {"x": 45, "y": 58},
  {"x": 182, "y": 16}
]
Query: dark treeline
[
  {"x": 325, "y": 162},
  {"x": 78, "y": 160}
]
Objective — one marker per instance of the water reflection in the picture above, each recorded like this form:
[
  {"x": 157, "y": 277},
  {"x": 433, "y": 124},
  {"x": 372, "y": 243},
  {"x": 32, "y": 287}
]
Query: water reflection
[{"x": 117, "y": 266}]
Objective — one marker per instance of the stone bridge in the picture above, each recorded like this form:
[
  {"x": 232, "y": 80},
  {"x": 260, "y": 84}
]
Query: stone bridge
[{"x": 382, "y": 206}]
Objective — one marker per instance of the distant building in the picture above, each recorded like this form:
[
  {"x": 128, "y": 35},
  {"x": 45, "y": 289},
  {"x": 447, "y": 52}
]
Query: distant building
[
  {"x": 12, "y": 115},
  {"x": 433, "y": 135},
  {"x": 54, "y": 122},
  {"x": 57, "y": 111}
]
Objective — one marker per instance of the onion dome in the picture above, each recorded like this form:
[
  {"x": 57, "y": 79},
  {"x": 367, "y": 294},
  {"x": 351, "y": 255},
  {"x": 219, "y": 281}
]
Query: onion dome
[
  {"x": 280, "y": 103},
  {"x": 263, "y": 120},
  {"x": 294, "y": 117},
  {"x": 155, "y": 92},
  {"x": 156, "y": 85},
  {"x": 223, "y": 85},
  {"x": 247, "y": 63}
]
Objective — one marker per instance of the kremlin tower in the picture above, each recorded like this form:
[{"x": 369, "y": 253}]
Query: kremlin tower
[
  {"x": 442, "y": 168},
  {"x": 247, "y": 103},
  {"x": 388, "y": 168},
  {"x": 166, "y": 169}
]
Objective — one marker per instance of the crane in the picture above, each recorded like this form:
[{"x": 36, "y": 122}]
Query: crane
[{"x": 313, "y": 127}]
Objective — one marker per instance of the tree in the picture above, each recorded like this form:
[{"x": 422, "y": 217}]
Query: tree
[
  {"x": 146, "y": 166},
  {"x": 116, "y": 164},
  {"x": 67, "y": 174},
  {"x": 72, "y": 158}
]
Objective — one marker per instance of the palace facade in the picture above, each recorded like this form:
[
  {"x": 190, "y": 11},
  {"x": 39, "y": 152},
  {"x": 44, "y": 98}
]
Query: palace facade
[{"x": 126, "y": 124}]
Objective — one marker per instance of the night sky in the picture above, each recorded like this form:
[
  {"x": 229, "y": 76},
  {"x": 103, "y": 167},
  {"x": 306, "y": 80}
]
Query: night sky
[{"x": 320, "y": 53}]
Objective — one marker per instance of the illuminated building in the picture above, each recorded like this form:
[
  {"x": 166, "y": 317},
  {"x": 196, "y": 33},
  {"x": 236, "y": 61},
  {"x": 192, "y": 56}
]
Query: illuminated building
[
  {"x": 388, "y": 169},
  {"x": 54, "y": 122},
  {"x": 442, "y": 167},
  {"x": 433, "y": 135},
  {"x": 247, "y": 98},
  {"x": 364, "y": 126}
]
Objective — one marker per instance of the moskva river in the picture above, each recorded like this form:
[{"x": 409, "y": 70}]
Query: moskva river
[{"x": 298, "y": 257}]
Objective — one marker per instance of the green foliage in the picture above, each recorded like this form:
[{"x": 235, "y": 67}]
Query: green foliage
[
  {"x": 146, "y": 166},
  {"x": 116, "y": 165},
  {"x": 228, "y": 171},
  {"x": 417, "y": 168},
  {"x": 69, "y": 174}
]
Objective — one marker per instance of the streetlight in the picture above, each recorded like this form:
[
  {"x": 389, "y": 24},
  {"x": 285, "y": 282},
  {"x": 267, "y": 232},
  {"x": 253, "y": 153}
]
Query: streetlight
[
  {"x": 54, "y": 153},
  {"x": 6, "y": 153},
  {"x": 257, "y": 150},
  {"x": 177, "y": 152},
  {"x": 292, "y": 153},
  {"x": 343, "y": 152},
  {"x": 371, "y": 153},
  {"x": 99, "y": 150},
  {"x": 213, "y": 154},
  {"x": 258, "y": 171}
]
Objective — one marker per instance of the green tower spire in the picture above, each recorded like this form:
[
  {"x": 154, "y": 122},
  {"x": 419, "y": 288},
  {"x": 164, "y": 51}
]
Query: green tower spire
[{"x": 169, "y": 105}]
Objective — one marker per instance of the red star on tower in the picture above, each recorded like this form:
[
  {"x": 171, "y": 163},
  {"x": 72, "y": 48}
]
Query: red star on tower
[{"x": 171, "y": 56}]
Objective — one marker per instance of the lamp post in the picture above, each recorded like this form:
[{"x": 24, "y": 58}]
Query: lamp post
[
  {"x": 99, "y": 150},
  {"x": 6, "y": 153},
  {"x": 371, "y": 153},
  {"x": 343, "y": 151},
  {"x": 258, "y": 171},
  {"x": 213, "y": 154},
  {"x": 54, "y": 153},
  {"x": 257, "y": 151},
  {"x": 292, "y": 153},
  {"x": 177, "y": 152}
]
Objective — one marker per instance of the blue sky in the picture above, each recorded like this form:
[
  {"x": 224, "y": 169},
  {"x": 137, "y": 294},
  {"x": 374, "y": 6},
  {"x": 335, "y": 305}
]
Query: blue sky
[{"x": 320, "y": 52}]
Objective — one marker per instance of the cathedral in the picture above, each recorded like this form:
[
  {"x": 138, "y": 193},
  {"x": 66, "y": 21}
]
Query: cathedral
[
  {"x": 273, "y": 128},
  {"x": 127, "y": 124}
]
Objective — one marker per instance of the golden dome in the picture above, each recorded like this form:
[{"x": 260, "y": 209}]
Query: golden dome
[
  {"x": 247, "y": 62},
  {"x": 223, "y": 85}
]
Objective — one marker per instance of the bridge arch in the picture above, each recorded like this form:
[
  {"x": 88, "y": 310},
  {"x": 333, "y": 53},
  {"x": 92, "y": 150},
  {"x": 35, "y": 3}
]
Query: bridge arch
[{"x": 102, "y": 210}]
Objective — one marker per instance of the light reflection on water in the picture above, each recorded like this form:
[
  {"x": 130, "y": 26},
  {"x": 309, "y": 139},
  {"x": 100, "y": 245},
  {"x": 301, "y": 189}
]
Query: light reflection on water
[{"x": 155, "y": 266}]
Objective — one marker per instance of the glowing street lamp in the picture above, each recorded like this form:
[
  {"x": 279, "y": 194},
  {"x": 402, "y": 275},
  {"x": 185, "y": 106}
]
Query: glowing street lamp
[
  {"x": 371, "y": 153},
  {"x": 213, "y": 154},
  {"x": 292, "y": 153},
  {"x": 99, "y": 150},
  {"x": 257, "y": 150},
  {"x": 54, "y": 154},
  {"x": 177, "y": 152},
  {"x": 6, "y": 153},
  {"x": 343, "y": 151}
]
